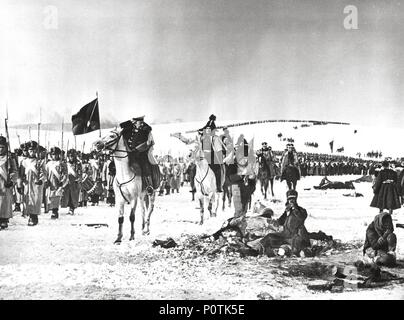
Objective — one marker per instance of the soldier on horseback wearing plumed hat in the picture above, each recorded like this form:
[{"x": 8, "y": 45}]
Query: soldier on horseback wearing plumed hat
[{"x": 213, "y": 146}]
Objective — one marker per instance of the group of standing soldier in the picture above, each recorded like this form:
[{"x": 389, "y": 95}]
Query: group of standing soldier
[{"x": 33, "y": 178}]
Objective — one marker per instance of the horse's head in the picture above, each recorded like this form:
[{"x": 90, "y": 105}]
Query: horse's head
[
  {"x": 197, "y": 153},
  {"x": 108, "y": 142}
]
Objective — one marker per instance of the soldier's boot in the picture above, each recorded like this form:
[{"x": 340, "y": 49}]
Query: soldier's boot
[
  {"x": 33, "y": 220},
  {"x": 3, "y": 223},
  {"x": 55, "y": 214},
  {"x": 71, "y": 211},
  {"x": 149, "y": 185}
]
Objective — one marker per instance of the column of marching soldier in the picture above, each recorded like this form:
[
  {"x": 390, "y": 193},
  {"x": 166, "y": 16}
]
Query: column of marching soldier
[{"x": 34, "y": 180}]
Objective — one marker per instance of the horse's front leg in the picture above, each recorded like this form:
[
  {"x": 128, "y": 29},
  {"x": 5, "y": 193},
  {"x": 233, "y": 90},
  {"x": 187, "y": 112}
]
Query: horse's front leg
[
  {"x": 120, "y": 223},
  {"x": 147, "y": 210},
  {"x": 132, "y": 219},
  {"x": 201, "y": 204},
  {"x": 210, "y": 205},
  {"x": 272, "y": 187}
]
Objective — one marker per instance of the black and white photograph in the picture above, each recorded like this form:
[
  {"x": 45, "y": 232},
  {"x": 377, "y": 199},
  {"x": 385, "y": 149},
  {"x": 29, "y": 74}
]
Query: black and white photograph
[{"x": 201, "y": 150}]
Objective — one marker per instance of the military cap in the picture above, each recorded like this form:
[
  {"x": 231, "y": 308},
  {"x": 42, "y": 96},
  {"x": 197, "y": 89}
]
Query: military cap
[
  {"x": 141, "y": 118},
  {"x": 71, "y": 152},
  {"x": 291, "y": 194},
  {"x": 55, "y": 151},
  {"x": 31, "y": 145},
  {"x": 212, "y": 117}
]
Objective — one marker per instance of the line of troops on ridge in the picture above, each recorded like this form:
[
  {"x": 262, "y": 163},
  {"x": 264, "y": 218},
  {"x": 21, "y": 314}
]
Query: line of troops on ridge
[{"x": 33, "y": 177}]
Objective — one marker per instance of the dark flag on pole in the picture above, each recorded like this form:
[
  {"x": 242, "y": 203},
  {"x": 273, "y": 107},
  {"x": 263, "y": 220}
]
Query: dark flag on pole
[
  {"x": 87, "y": 119},
  {"x": 332, "y": 146}
]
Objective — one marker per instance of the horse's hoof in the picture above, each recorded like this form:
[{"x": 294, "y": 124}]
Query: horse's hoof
[
  {"x": 201, "y": 223},
  {"x": 146, "y": 233},
  {"x": 117, "y": 241},
  {"x": 131, "y": 238}
]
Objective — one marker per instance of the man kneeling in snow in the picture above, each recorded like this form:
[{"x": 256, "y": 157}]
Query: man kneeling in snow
[
  {"x": 381, "y": 240},
  {"x": 294, "y": 232}
]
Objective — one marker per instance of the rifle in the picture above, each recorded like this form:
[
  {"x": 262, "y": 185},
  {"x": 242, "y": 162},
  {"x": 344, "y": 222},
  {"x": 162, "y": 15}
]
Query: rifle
[
  {"x": 8, "y": 149},
  {"x": 38, "y": 161}
]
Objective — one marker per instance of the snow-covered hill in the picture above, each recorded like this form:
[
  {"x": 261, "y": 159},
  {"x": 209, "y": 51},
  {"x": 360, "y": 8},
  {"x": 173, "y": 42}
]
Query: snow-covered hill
[{"x": 365, "y": 139}]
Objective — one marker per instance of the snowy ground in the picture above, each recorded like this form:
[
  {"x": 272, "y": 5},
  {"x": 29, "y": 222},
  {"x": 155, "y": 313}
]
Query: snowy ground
[{"x": 63, "y": 260}]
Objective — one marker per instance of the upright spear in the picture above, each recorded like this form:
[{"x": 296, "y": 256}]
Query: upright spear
[
  {"x": 100, "y": 119},
  {"x": 8, "y": 145},
  {"x": 62, "y": 133},
  {"x": 38, "y": 149}
]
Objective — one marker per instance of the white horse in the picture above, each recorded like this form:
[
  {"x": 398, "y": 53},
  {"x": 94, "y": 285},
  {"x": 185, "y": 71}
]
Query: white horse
[
  {"x": 205, "y": 180},
  {"x": 127, "y": 184}
]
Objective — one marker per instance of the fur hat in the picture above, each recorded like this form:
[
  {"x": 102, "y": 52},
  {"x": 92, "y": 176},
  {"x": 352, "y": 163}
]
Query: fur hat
[
  {"x": 55, "y": 151},
  {"x": 3, "y": 141},
  {"x": 31, "y": 145},
  {"x": 72, "y": 152}
]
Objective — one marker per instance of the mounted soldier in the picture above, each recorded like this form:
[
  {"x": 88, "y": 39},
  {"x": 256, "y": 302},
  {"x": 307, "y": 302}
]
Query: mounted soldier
[
  {"x": 266, "y": 155},
  {"x": 139, "y": 141},
  {"x": 266, "y": 168},
  {"x": 289, "y": 167},
  {"x": 212, "y": 146}
]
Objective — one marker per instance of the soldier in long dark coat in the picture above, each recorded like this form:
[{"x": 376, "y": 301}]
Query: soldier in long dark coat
[
  {"x": 385, "y": 190},
  {"x": 294, "y": 232}
]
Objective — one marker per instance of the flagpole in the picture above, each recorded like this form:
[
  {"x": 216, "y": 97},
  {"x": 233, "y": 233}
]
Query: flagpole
[{"x": 100, "y": 119}]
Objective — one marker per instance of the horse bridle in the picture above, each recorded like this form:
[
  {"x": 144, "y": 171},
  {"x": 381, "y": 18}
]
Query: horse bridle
[
  {"x": 115, "y": 141},
  {"x": 106, "y": 147}
]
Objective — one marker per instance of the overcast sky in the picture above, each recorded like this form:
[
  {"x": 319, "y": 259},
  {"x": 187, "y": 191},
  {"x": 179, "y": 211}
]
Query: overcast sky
[{"x": 239, "y": 59}]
